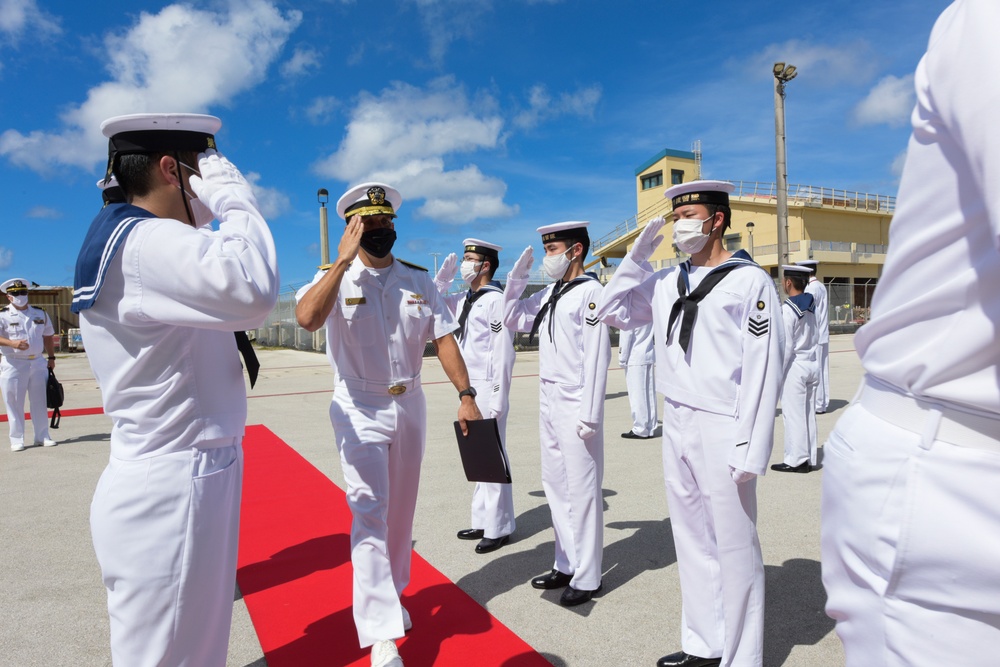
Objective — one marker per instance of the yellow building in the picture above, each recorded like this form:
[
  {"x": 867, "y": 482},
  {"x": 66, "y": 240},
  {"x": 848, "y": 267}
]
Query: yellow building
[{"x": 846, "y": 231}]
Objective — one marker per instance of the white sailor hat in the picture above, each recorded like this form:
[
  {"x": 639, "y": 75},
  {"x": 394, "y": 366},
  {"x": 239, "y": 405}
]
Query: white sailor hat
[
  {"x": 808, "y": 263},
  {"x": 795, "y": 268},
  {"x": 144, "y": 133},
  {"x": 369, "y": 199},
  {"x": 15, "y": 286},
  {"x": 700, "y": 192},
  {"x": 481, "y": 247},
  {"x": 574, "y": 229}
]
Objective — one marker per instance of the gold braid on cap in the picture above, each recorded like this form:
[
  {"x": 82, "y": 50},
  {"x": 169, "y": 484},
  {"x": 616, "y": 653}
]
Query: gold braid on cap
[{"x": 378, "y": 205}]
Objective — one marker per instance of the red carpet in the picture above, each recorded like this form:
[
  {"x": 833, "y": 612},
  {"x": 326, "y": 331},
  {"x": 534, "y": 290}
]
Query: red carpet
[{"x": 295, "y": 576}]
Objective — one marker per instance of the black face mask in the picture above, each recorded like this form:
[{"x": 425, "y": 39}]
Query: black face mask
[{"x": 378, "y": 242}]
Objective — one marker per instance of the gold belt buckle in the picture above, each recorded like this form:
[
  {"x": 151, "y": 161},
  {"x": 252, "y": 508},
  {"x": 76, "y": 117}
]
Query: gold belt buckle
[{"x": 397, "y": 389}]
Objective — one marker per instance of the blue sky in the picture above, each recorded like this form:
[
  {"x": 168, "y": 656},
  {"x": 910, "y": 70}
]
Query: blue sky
[{"x": 492, "y": 117}]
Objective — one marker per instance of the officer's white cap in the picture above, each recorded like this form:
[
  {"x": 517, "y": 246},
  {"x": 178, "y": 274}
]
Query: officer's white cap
[
  {"x": 808, "y": 263},
  {"x": 795, "y": 268},
  {"x": 18, "y": 284},
  {"x": 559, "y": 231},
  {"x": 700, "y": 192},
  {"x": 369, "y": 199},
  {"x": 481, "y": 247}
]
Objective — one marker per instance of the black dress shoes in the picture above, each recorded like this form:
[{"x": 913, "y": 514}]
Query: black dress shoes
[
  {"x": 470, "y": 534},
  {"x": 784, "y": 467},
  {"x": 554, "y": 579},
  {"x": 572, "y": 597},
  {"x": 682, "y": 659},
  {"x": 632, "y": 435},
  {"x": 488, "y": 544}
]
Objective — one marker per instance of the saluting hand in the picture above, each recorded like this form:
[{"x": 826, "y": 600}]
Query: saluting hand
[
  {"x": 446, "y": 274},
  {"x": 522, "y": 267},
  {"x": 647, "y": 241},
  {"x": 350, "y": 242}
]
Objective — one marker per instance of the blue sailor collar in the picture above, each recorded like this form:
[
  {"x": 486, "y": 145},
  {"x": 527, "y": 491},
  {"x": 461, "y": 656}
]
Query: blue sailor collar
[
  {"x": 739, "y": 257},
  {"x": 491, "y": 286},
  {"x": 801, "y": 304},
  {"x": 106, "y": 234}
]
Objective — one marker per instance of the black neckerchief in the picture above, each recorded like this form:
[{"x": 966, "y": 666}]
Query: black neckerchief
[
  {"x": 688, "y": 303},
  {"x": 470, "y": 299},
  {"x": 549, "y": 307}
]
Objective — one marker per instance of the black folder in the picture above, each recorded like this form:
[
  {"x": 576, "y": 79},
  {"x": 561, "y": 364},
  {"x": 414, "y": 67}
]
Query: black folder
[{"x": 482, "y": 453}]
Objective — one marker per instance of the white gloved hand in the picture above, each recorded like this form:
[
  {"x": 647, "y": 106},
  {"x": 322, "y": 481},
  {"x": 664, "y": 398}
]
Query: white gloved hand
[
  {"x": 446, "y": 274},
  {"x": 586, "y": 430},
  {"x": 221, "y": 185},
  {"x": 647, "y": 242},
  {"x": 740, "y": 476},
  {"x": 522, "y": 267}
]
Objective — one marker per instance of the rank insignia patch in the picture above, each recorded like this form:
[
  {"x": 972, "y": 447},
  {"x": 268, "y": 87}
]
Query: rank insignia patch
[
  {"x": 760, "y": 305},
  {"x": 758, "y": 327},
  {"x": 354, "y": 301},
  {"x": 496, "y": 327},
  {"x": 592, "y": 321}
]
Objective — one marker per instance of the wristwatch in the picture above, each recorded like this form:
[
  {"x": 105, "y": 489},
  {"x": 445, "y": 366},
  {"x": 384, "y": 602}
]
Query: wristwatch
[{"x": 471, "y": 391}]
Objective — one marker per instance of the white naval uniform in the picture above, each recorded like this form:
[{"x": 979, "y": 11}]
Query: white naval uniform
[
  {"x": 165, "y": 515},
  {"x": 25, "y": 372},
  {"x": 635, "y": 355},
  {"x": 911, "y": 517},
  {"x": 721, "y": 397},
  {"x": 798, "y": 394},
  {"x": 488, "y": 350},
  {"x": 573, "y": 376},
  {"x": 819, "y": 292},
  {"x": 375, "y": 340}
]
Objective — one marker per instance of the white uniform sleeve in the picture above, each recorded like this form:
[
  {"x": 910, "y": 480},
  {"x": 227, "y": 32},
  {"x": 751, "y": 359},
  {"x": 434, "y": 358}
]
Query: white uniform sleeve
[
  {"x": 596, "y": 358},
  {"x": 444, "y": 319},
  {"x": 627, "y": 300},
  {"x": 502, "y": 342},
  {"x": 47, "y": 329},
  {"x": 519, "y": 314},
  {"x": 788, "y": 318},
  {"x": 966, "y": 34},
  {"x": 625, "y": 340},
  {"x": 225, "y": 279},
  {"x": 761, "y": 379}
]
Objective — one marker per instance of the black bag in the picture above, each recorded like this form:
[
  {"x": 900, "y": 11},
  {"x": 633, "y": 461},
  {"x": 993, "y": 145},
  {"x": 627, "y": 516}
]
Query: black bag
[{"x": 54, "y": 398}]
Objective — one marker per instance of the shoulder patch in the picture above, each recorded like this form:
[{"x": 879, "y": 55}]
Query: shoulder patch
[
  {"x": 758, "y": 326},
  {"x": 496, "y": 326},
  {"x": 412, "y": 265},
  {"x": 761, "y": 305},
  {"x": 592, "y": 320}
]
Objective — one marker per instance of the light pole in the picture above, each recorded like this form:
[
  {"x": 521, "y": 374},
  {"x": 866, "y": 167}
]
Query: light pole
[
  {"x": 750, "y": 231},
  {"x": 782, "y": 75},
  {"x": 435, "y": 255},
  {"x": 324, "y": 233}
]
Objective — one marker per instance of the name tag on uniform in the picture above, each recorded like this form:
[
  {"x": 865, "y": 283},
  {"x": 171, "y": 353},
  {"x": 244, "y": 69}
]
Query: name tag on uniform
[
  {"x": 354, "y": 301},
  {"x": 416, "y": 299}
]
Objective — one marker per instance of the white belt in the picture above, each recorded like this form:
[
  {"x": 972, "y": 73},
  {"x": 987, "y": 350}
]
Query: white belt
[
  {"x": 933, "y": 421},
  {"x": 395, "y": 389}
]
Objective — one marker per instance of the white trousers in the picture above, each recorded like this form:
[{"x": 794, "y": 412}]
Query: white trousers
[
  {"x": 20, "y": 378},
  {"x": 572, "y": 473},
  {"x": 823, "y": 387},
  {"x": 165, "y": 531},
  {"x": 714, "y": 524},
  {"x": 381, "y": 442},
  {"x": 911, "y": 537},
  {"x": 641, "y": 398},
  {"x": 492, "y": 504},
  {"x": 798, "y": 413}
]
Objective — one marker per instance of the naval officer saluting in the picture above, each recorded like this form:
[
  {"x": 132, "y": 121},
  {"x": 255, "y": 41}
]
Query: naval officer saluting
[
  {"x": 719, "y": 365},
  {"x": 488, "y": 349},
  {"x": 379, "y": 313}
]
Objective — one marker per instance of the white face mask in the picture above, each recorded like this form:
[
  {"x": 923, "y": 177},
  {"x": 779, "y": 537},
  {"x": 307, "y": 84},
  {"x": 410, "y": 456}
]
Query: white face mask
[
  {"x": 688, "y": 235},
  {"x": 555, "y": 265},
  {"x": 469, "y": 271},
  {"x": 19, "y": 301}
]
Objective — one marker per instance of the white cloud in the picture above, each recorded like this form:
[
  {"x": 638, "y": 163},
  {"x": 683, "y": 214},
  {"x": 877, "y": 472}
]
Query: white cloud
[
  {"x": 890, "y": 101},
  {"x": 6, "y": 257},
  {"x": 402, "y": 137},
  {"x": 321, "y": 110},
  {"x": 542, "y": 107},
  {"x": 46, "y": 212},
  {"x": 897, "y": 164},
  {"x": 272, "y": 202},
  {"x": 448, "y": 20},
  {"x": 822, "y": 65},
  {"x": 303, "y": 60},
  {"x": 17, "y": 17},
  {"x": 179, "y": 59}
]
